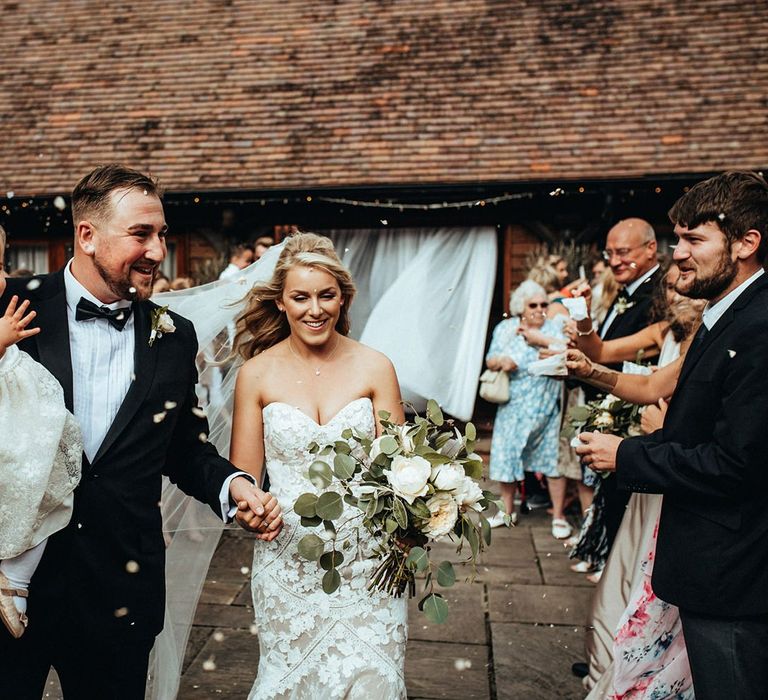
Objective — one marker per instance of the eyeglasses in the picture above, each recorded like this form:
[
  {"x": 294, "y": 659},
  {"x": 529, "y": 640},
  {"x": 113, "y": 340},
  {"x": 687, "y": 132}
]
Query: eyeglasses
[
  {"x": 621, "y": 252},
  {"x": 538, "y": 304}
]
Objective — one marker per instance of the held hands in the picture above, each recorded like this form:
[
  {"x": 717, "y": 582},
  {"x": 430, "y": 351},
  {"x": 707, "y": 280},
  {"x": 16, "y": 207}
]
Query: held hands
[
  {"x": 257, "y": 511},
  {"x": 578, "y": 364},
  {"x": 13, "y": 325},
  {"x": 599, "y": 451}
]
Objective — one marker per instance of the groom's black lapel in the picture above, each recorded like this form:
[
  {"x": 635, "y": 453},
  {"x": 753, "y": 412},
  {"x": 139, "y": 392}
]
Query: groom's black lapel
[
  {"x": 53, "y": 340},
  {"x": 145, "y": 362}
]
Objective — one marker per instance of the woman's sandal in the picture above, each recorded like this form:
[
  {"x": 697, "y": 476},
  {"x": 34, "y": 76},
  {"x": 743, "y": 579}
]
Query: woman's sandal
[{"x": 14, "y": 621}]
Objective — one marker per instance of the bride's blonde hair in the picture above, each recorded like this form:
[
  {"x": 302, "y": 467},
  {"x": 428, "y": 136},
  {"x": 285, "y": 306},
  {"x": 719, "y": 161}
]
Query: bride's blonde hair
[{"x": 262, "y": 324}]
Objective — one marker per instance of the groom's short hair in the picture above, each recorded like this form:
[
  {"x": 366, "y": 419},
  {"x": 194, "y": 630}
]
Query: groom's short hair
[
  {"x": 736, "y": 201},
  {"x": 91, "y": 196}
]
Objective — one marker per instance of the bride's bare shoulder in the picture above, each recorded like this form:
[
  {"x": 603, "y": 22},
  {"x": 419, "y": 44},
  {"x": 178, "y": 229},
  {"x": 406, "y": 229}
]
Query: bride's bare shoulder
[
  {"x": 372, "y": 360},
  {"x": 263, "y": 364}
]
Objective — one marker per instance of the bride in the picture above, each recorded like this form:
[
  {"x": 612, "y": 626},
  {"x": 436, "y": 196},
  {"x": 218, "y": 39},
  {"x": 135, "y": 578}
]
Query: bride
[{"x": 305, "y": 381}]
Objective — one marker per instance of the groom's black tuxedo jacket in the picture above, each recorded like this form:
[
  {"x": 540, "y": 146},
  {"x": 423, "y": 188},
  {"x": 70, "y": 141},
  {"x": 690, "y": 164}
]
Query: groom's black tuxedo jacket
[
  {"x": 637, "y": 315},
  {"x": 710, "y": 460},
  {"x": 85, "y": 569}
]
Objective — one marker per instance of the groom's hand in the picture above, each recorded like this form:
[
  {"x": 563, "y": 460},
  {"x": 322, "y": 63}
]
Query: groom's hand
[{"x": 257, "y": 511}]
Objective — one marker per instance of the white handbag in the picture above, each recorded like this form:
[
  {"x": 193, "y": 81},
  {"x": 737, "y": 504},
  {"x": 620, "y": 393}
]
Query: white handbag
[{"x": 494, "y": 386}]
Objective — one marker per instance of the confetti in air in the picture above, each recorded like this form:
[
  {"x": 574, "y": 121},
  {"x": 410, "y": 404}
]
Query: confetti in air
[
  {"x": 60, "y": 203},
  {"x": 721, "y": 216},
  {"x": 203, "y": 437},
  {"x": 462, "y": 664},
  {"x": 132, "y": 567},
  {"x": 253, "y": 629},
  {"x": 209, "y": 665},
  {"x": 218, "y": 636},
  {"x": 169, "y": 405},
  {"x": 32, "y": 285},
  {"x": 121, "y": 612},
  {"x": 131, "y": 290},
  {"x": 159, "y": 417},
  {"x": 199, "y": 412},
  {"x": 244, "y": 570}
]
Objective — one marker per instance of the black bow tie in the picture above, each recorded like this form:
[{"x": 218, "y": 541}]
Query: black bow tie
[{"x": 117, "y": 318}]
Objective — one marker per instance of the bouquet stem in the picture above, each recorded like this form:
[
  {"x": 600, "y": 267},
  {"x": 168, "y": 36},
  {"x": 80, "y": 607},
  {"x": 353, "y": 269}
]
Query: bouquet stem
[{"x": 393, "y": 575}]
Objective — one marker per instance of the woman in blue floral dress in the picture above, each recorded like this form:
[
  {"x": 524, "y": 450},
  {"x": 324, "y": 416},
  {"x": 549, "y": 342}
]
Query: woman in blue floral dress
[{"x": 526, "y": 429}]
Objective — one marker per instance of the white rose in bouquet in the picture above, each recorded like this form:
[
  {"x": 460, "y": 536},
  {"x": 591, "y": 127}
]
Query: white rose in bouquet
[
  {"x": 408, "y": 477},
  {"x": 375, "y": 448},
  {"x": 609, "y": 400},
  {"x": 445, "y": 512},
  {"x": 447, "y": 477},
  {"x": 469, "y": 495},
  {"x": 603, "y": 420}
]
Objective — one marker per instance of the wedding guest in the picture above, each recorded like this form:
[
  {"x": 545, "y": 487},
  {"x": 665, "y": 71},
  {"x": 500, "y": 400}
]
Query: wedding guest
[
  {"x": 182, "y": 283},
  {"x": 240, "y": 257},
  {"x": 21, "y": 272},
  {"x": 632, "y": 258},
  {"x": 546, "y": 276},
  {"x": 261, "y": 245},
  {"x": 161, "y": 284},
  {"x": 709, "y": 458},
  {"x": 526, "y": 428}
]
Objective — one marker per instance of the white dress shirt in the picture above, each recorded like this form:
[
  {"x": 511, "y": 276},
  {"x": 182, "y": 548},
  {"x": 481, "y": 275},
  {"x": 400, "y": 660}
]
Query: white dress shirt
[
  {"x": 713, "y": 312},
  {"x": 630, "y": 290},
  {"x": 102, "y": 372}
]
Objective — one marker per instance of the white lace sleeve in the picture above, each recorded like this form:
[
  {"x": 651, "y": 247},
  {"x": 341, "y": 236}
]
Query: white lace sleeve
[{"x": 40, "y": 466}]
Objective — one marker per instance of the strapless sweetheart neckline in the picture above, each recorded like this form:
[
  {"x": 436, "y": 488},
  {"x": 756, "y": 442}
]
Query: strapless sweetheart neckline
[{"x": 310, "y": 418}]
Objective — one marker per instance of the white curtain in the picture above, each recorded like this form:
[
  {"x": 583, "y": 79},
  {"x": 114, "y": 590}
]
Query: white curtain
[{"x": 424, "y": 296}]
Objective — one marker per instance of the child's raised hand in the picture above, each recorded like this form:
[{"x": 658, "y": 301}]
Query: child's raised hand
[{"x": 13, "y": 325}]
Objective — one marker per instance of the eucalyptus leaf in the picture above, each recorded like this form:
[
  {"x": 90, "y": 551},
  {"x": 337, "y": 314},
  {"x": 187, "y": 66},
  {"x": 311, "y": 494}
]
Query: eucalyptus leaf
[
  {"x": 310, "y": 547},
  {"x": 384, "y": 415},
  {"x": 486, "y": 530},
  {"x": 305, "y": 505},
  {"x": 446, "y": 576},
  {"x": 377, "y": 470},
  {"x": 342, "y": 447},
  {"x": 401, "y": 515},
  {"x": 436, "y": 459},
  {"x": 327, "y": 450},
  {"x": 331, "y": 581},
  {"x": 474, "y": 469},
  {"x": 343, "y": 466},
  {"x": 388, "y": 445},
  {"x": 434, "y": 413},
  {"x": 370, "y": 509},
  {"x": 331, "y": 560},
  {"x": 435, "y": 608},
  {"x": 347, "y": 434},
  {"x": 350, "y": 500},
  {"x": 473, "y": 539},
  {"x": 329, "y": 506},
  {"x": 390, "y": 525},
  {"x": 419, "y": 509},
  {"x": 418, "y": 559},
  {"x": 320, "y": 474},
  {"x": 310, "y": 522},
  {"x": 470, "y": 432},
  {"x": 313, "y": 448},
  {"x": 579, "y": 414}
]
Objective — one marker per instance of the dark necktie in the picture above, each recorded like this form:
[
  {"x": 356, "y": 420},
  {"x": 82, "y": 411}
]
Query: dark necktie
[
  {"x": 698, "y": 339},
  {"x": 117, "y": 318}
]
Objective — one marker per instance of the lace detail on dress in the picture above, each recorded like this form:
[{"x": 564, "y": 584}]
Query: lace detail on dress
[
  {"x": 40, "y": 466},
  {"x": 350, "y": 644}
]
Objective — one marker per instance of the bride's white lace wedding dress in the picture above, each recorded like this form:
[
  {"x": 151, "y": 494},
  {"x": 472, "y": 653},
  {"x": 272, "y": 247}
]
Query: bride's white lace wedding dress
[{"x": 350, "y": 644}]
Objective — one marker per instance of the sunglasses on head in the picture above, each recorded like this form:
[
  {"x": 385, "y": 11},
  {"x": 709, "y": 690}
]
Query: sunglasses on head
[{"x": 538, "y": 304}]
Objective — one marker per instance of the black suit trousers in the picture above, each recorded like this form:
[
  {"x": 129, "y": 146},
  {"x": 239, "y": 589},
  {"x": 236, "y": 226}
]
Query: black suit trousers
[
  {"x": 728, "y": 657},
  {"x": 89, "y": 667}
]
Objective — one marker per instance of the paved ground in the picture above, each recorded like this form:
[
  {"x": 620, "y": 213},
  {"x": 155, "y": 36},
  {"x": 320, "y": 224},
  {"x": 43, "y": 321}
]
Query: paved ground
[{"x": 513, "y": 633}]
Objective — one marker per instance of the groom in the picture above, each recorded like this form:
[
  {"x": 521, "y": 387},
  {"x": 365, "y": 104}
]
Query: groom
[
  {"x": 96, "y": 602},
  {"x": 709, "y": 459}
]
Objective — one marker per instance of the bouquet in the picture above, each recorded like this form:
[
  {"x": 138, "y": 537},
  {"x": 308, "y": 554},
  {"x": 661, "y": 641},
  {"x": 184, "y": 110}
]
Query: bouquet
[
  {"x": 413, "y": 485},
  {"x": 607, "y": 415}
]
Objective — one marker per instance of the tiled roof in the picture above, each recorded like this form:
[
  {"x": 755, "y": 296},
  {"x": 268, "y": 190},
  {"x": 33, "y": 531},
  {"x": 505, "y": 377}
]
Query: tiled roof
[{"x": 229, "y": 94}]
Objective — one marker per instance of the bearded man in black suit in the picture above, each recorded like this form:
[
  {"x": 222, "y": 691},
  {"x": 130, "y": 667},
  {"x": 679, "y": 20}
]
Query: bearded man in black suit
[
  {"x": 96, "y": 601},
  {"x": 709, "y": 459}
]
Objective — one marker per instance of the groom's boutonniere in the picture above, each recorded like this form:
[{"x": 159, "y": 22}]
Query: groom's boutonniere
[
  {"x": 161, "y": 323},
  {"x": 622, "y": 304}
]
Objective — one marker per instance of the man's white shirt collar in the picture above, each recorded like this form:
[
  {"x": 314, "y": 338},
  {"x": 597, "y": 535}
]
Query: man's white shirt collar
[
  {"x": 75, "y": 291},
  {"x": 713, "y": 312},
  {"x": 632, "y": 286}
]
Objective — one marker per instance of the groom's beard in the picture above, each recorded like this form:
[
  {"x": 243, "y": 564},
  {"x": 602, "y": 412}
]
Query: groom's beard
[
  {"x": 717, "y": 282},
  {"x": 122, "y": 287}
]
